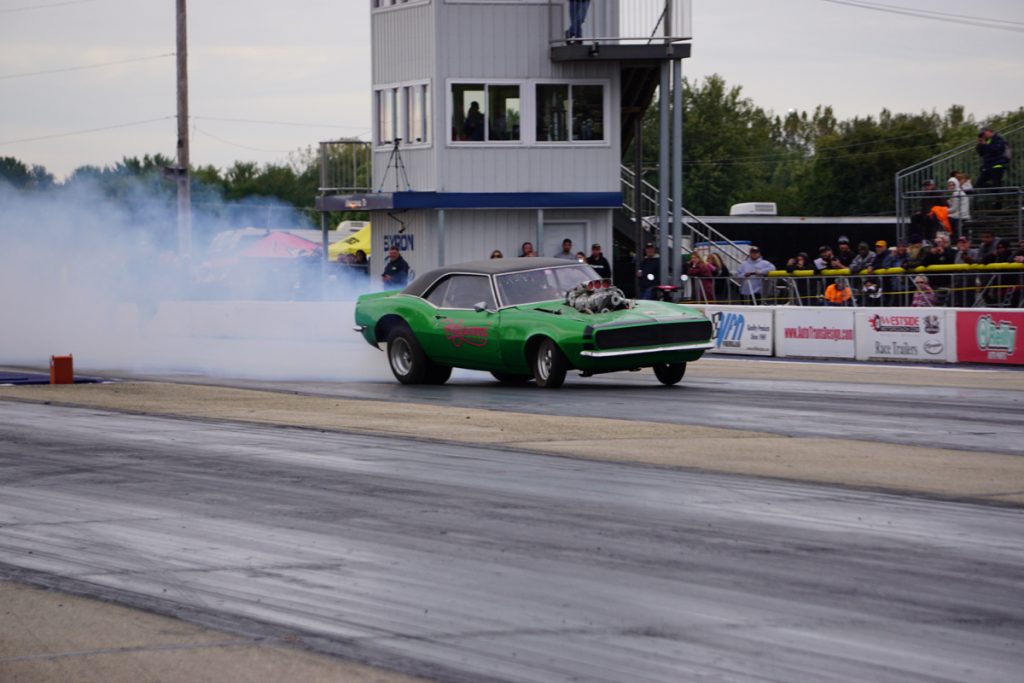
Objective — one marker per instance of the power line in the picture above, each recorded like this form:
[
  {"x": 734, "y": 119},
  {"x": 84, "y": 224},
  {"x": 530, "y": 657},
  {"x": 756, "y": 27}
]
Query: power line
[
  {"x": 964, "y": 20},
  {"x": 235, "y": 144},
  {"x": 29, "y": 8},
  {"x": 86, "y": 131},
  {"x": 817, "y": 156},
  {"x": 86, "y": 66},
  {"x": 278, "y": 123},
  {"x": 929, "y": 13}
]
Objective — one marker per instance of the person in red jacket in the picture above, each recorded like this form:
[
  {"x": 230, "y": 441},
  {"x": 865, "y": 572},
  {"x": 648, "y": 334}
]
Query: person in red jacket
[{"x": 704, "y": 273}]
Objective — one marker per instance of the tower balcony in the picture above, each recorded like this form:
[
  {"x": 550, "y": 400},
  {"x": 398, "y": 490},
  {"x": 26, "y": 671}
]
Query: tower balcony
[{"x": 620, "y": 30}]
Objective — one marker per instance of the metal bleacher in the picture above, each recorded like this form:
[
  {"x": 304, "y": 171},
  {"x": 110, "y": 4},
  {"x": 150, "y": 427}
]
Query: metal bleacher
[{"x": 1000, "y": 209}]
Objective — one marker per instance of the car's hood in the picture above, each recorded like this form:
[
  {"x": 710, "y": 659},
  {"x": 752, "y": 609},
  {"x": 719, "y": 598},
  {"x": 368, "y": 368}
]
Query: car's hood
[{"x": 643, "y": 312}]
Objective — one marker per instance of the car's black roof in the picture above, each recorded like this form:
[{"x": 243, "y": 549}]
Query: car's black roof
[{"x": 495, "y": 266}]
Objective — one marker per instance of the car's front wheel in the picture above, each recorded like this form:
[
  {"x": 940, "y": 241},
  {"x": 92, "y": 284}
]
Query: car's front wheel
[
  {"x": 670, "y": 373},
  {"x": 549, "y": 365},
  {"x": 408, "y": 362}
]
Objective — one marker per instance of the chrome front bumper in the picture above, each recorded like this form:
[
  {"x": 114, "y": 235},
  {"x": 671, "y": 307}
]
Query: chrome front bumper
[{"x": 700, "y": 346}]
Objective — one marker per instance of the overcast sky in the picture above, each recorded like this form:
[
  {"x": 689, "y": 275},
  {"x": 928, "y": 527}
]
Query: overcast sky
[{"x": 92, "y": 81}]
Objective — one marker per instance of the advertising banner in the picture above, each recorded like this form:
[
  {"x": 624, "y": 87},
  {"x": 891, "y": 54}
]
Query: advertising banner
[
  {"x": 814, "y": 332},
  {"x": 743, "y": 330},
  {"x": 914, "y": 334},
  {"x": 989, "y": 336}
]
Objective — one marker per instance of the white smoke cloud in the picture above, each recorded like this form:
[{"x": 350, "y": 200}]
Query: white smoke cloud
[{"x": 99, "y": 278}]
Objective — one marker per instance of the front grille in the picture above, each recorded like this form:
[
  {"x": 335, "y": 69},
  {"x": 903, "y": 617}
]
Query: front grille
[{"x": 653, "y": 335}]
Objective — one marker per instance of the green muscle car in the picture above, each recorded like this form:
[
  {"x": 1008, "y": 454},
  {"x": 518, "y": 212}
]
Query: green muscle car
[{"x": 526, "y": 319}]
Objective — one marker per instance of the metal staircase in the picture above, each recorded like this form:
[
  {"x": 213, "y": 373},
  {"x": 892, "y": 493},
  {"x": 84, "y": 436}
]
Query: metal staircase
[
  {"x": 998, "y": 209},
  {"x": 700, "y": 231}
]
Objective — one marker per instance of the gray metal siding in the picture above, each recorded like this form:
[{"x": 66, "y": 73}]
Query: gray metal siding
[
  {"x": 473, "y": 234},
  {"x": 420, "y": 169},
  {"x": 403, "y": 44},
  {"x": 531, "y": 169}
]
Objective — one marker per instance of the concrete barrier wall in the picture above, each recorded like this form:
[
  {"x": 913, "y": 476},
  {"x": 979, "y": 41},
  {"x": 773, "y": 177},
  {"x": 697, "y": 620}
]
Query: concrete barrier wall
[
  {"x": 928, "y": 335},
  {"x": 814, "y": 332},
  {"x": 905, "y": 334}
]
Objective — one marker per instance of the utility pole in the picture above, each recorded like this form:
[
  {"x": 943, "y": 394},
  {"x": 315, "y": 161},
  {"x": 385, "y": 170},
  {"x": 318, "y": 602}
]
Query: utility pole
[{"x": 184, "y": 186}]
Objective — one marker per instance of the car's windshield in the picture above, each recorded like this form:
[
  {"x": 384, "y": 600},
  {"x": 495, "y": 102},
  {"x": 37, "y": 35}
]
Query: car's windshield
[{"x": 542, "y": 284}]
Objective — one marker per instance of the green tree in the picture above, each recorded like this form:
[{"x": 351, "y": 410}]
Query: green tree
[
  {"x": 23, "y": 177},
  {"x": 853, "y": 169}
]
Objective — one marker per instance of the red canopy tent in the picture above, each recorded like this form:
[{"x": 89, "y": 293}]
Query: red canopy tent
[{"x": 280, "y": 244}]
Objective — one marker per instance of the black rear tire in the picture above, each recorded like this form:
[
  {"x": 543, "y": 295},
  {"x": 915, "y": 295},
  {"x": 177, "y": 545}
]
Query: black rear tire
[
  {"x": 549, "y": 365},
  {"x": 512, "y": 379},
  {"x": 670, "y": 373},
  {"x": 405, "y": 356},
  {"x": 438, "y": 374}
]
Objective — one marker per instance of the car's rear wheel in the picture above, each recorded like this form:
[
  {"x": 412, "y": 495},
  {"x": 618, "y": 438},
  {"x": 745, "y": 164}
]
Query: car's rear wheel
[
  {"x": 549, "y": 365},
  {"x": 670, "y": 373},
  {"x": 408, "y": 362},
  {"x": 438, "y": 374},
  {"x": 512, "y": 378}
]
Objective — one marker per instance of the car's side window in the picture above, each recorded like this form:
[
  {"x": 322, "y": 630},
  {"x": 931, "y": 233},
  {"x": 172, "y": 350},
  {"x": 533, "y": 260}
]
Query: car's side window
[
  {"x": 437, "y": 292},
  {"x": 465, "y": 291}
]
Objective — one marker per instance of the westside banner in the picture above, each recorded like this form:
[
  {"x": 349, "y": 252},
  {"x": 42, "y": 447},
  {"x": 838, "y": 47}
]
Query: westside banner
[
  {"x": 814, "y": 332},
  {"x": 905, "y": 334},
  {"x": 743, "y": 330},
  {"x": 989, "y": 336}
]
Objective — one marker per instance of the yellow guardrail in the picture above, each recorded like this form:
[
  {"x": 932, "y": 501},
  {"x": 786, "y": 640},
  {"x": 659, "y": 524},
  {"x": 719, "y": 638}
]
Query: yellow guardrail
[{"x": 955, "y": 268}]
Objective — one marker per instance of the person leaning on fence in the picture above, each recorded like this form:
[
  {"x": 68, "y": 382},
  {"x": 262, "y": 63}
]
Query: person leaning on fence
[
  {"x": 649, "y": 272},
  {"x": 881, "y": 254},
  {"x": 871, "y": 291},
  {"x": 940, "y": 255},
  {"x": 864, "y": 260},
  {"x": 704, "y": 274},
  {"x": 721, "y": 276},
  {"x": 838, "y": 293},
  {"x": 843, "y": 253},
  {"x": 800, "y": 262},
  {"x": 751, "y": 274},
  {"x": 986, "y": 244},
  {"x": 963, "y": 291},
  {"x": 826, "y": 259},
  {"x": 998, "y": 286},
  {"x": 924, "y": 296},
  {"x": 898, "y": 258}
]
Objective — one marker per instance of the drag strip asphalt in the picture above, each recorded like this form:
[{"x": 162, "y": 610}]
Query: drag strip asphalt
[
  {"x": 915, "y": 406},
  {"x": 467, "y": 563}
]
